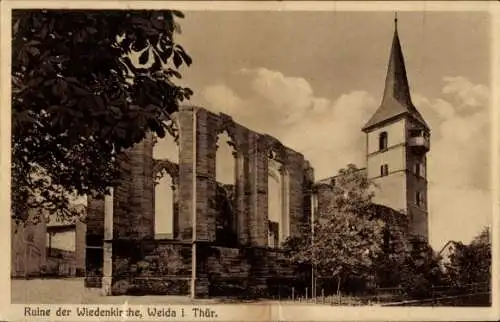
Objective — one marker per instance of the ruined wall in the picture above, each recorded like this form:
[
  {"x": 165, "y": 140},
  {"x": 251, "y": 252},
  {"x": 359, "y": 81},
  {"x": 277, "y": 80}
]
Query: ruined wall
[
  {"x": 151, "y": 267},
  {"x": 133, "y": 244},
  {"x": 133, "y": 196},
  {"x": 199, "y": 130},
  {"x": 94, "y": 242},
  {"x": 80, "y": 233}
]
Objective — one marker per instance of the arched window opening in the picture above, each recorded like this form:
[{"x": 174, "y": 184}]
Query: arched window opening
[
  {"x": 419, "y": 199},
  {"x": 278, "y": 199},
  {"x": 274, "y": 209},
  {"x": 384, "y": 170},
  {"x": 225, "y": 160},
  {"x": 166, "y": 151},
  {"x": 419, "y": 168},
  {"x": 382, "y": 141},
  {"x": 164, "y": 207},
  {"x": 225, "y": 196}
]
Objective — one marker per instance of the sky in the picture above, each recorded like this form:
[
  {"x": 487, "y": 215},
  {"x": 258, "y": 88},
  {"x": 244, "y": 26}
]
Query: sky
[{"x": 312, "y": 79}]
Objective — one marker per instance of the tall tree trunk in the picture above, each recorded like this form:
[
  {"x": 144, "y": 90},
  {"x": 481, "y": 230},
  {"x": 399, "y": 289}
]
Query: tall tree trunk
[{"x": 338, "y": 285}]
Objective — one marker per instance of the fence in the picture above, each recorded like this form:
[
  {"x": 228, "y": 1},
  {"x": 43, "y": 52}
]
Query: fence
[{"x": 474, "y": 294}]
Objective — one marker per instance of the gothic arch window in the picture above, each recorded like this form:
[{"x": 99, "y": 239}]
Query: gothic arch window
[
  {"x": 165, "y": 150},
  {"x": 382, "y": 141},
  {"x": 164, "y": 206},
  {"x": 225, "y": 159},
  {"x": 278, "y": 202},
  {"x": 384, "y": 170},
  {"x": 419, "y": 169},
  {"x": 225, "y": 196},
  {"x": 419, "y": 199}
]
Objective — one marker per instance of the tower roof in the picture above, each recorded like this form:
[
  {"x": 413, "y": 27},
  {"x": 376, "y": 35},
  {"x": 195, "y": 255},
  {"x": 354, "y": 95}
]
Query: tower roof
[{"x": 396, "y": 101}]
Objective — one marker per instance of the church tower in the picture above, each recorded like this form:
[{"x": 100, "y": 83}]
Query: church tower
[{"x": 397, "y": 143}]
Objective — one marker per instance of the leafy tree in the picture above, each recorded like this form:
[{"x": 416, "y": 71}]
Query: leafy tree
[
  {"x": 471, "y": 263},
  {"x": 87, "y": 85},
  {"x": 408, "y": 262},
  {"x": 420, "y": 270},
  {"x": 347, "y": 235}
]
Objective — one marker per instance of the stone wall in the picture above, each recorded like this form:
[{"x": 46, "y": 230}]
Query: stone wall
[
  {"x": 80, "y": 233},
  {"x": 151, "y": 267},
  {"x": 94, "y": 242},
  {"x": 244, "y": 271}
]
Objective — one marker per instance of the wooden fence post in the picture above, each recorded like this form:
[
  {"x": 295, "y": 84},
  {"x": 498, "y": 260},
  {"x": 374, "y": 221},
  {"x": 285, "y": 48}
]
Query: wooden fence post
[{"x": 433, "y": 295}]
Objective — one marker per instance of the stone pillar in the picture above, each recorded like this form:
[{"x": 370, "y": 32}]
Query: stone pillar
[
  {"x": 206, "y": 146},
  {"x": 187, "y": 218},
  {"x": 133, "y": 195},
  {"x": 94, "y": 242},
  {"x": 187, "y": 172},
  {"x": 241, "y": 206},
  {"x": 295, "y": 169},
  {"x": 148, "y": 210},
  {"x": 258, "y": 223},
  {"x": 121, "y": 199},
  {"x": 108, "y": 244},
  {"x": 175, "y": 209},
  {"x": 285, "y": 199},
  {"x": 261, "y": 213},
  {"x": 80, "y": 231}
]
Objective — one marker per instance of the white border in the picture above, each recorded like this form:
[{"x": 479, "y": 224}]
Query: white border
[{"x": 284, "y": 312}]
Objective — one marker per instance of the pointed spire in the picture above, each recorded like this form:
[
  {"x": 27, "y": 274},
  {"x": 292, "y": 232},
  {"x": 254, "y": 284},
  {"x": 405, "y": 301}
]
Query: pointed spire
[
  {"x": 396, "y": 82},
  {"x": 396, "y": 100}
]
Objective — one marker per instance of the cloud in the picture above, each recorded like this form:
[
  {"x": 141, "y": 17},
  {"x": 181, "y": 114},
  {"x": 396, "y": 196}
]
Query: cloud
[
  {"x": 459, "y": 164},
  {"x": 291, "y": 95},
  {"x": 471, "y": 95},
  {"x": 328, "y": 132},
  {"x": 460, "y": 140},
  {"x": 223, "y": 99},
  {"x": 332, "y": 137},
  {"x": 287, "y": 108}
]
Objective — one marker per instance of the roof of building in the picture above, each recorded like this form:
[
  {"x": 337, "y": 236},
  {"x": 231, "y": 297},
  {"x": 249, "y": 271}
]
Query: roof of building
[
  {"x": 330, "y": 180},
  {"x": 450, "y": 243},
  {"x": 396, "y": 101}
]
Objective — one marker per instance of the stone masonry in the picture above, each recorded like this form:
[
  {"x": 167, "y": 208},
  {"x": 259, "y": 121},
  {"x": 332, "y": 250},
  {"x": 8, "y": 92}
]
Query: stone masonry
[{"x": 193, "y": 261}]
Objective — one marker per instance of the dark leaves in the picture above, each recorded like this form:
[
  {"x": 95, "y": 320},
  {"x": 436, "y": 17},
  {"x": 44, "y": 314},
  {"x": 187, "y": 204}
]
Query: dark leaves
[
  {"x": 177, "y": 59},
  {"x": 144, "y": 57},
  {"x": 178, "y": 14},
  {"x": 187, "y": 59},
  {"x": 77, "y": 97},
  {"x": 346, "y": 241}
]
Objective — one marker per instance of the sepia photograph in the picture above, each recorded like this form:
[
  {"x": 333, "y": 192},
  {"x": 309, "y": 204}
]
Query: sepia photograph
[{"x": 171, "y": 156}]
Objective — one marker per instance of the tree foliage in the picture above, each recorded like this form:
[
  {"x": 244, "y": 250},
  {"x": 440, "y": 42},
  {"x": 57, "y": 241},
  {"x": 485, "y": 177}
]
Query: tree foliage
[
  {"x": 86, "y": 85},
  {"x": 471, "y": 263},
  {"x": 347, "y": 236},
  {"x": 360, "y": 245},
  {"x": 418, "y": 270}
]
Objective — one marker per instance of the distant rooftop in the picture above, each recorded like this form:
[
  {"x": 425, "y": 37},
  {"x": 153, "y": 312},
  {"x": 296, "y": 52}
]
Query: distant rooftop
[{"x": 330, "y": 180}]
